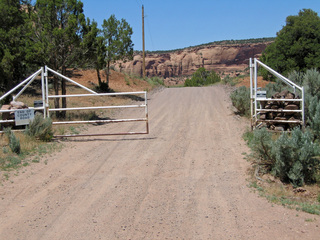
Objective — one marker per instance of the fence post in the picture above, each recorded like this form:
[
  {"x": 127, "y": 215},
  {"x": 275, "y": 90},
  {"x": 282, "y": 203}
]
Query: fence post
[
  {"x": 303, "y": 113},
  {"x": 251, "y": 86},
  {"x": 47, "y": 91},
  {"x": 43, "y": 93},
  {"x": 146, "y": 111},
  {"x": 255, "y": 89}
]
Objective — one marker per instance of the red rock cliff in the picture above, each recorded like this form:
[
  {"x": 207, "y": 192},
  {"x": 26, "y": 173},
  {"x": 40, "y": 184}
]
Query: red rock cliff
[{"x": 221, "y": 58}]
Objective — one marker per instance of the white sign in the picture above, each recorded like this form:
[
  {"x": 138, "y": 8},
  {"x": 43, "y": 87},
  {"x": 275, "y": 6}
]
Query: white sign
[
  {"x": 261, "y": 94},
  {"x": 23, "y": 116}
]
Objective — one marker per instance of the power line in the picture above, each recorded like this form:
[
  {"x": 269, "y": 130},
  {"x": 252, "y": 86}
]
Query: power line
[{"x": 140, "y": 4}]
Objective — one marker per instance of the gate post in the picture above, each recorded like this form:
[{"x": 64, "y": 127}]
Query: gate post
[
  {"x": 255, "y": 90},
  {"x": 303, "y": 110},
  {"x": 251, "y": 95},
  {"x": 47, "y": 91},
  {"x": 43, "y": 93}
]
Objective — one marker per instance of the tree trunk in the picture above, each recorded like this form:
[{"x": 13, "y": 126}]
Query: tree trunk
[
  {"x": 108, "y": 74},
  {"x": 99, "y": 77}
]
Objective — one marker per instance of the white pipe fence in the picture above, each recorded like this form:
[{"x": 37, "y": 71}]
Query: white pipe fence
[
  {"x": 254, "y": 100},
  {"x": 46, "y": 109}
]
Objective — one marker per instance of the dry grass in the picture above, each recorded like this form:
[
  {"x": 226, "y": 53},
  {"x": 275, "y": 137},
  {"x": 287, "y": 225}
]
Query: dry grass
[
  {"x": 27, "y": 143},
  {"x": 31, "y": 151},
  {"x": 306, "y": 198},
  {"x": 245, "y": 81}
]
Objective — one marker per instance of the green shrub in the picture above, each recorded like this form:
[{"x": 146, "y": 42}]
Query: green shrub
[
  {"x": 40, "y": 128},
  {"x": 155, "y": 81},
  {"x": 292, "y": 157},
  {"x": 241, "y": 100},
  {"x": 311, "y": 80},
  {"x": 313, "y": 115},
  {"x": 230, "y": 81},
  {"x": 296, "y": 157},
  {"x": 296, "y": 77},
  {"x": 14, "y": 142},
  {"x": 202, "y": 77},
  {"x": 260, "y": 142}
]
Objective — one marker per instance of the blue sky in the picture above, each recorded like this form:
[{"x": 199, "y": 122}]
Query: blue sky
[{"x": 173, "y": 24}]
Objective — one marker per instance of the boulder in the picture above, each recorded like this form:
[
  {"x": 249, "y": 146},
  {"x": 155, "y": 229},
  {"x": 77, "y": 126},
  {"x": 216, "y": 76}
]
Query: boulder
[
  {"x": 18, "y": 105},
  {"x": 291, "y": 107},
  {"x": 10, "y": 115}
]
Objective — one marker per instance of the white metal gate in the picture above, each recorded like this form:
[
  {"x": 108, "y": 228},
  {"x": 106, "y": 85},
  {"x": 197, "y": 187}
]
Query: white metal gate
[
  {"x": 47, "y": 110},
  {"x": 256, "y": 108}
]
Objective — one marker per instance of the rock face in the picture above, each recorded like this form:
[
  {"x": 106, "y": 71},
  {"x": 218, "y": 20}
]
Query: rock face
[{"x": 221, "y": 58}]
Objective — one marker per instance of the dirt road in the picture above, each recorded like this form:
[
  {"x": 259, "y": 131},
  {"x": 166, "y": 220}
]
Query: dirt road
[{"x": 185, "y": 180}]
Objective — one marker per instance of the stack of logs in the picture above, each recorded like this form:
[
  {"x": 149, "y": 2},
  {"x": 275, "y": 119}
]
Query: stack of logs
[{"x": 281, "y": 116}]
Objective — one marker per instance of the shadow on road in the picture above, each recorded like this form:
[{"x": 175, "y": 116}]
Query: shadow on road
[{"x": 105, "y": 139}]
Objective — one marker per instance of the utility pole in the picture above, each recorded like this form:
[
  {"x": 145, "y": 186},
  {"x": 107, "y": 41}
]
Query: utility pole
[{"x": 143, "y": 50}]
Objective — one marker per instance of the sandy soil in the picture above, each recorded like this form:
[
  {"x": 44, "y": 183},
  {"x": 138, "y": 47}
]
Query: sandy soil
[{"x": 185, "y": 180}]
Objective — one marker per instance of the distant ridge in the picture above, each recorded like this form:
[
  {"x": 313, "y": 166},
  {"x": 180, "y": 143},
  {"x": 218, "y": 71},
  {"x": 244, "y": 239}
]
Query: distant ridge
[
  {"x": 229, "y": 57},
  {"x": 223, "y": 42}
]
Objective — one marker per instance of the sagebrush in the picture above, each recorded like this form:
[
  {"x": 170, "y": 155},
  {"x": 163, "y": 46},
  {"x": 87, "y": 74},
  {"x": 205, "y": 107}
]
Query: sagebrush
[
  {"x": 241, "y": 100},
  {"x": 40, "y": 128},
  {"x": 14, "y": 142},
  {"x": 292, "y": 157}
]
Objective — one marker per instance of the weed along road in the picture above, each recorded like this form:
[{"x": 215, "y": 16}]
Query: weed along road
[{"x": 185, "y": 180}]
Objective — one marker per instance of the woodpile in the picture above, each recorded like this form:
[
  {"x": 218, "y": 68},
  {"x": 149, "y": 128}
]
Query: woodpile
[{"x": 275, "y": 120}]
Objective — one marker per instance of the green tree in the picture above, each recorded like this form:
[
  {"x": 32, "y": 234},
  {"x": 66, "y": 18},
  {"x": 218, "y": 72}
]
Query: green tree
[
  {"x": 117, "y": 44},
  {"x": 94, "y": 48},
  {"x": 297, "y": 45},
  {"x": 93, "y": 45},
  {"x": 58, "y": 29},
  {"x": 13, "y": 18}
]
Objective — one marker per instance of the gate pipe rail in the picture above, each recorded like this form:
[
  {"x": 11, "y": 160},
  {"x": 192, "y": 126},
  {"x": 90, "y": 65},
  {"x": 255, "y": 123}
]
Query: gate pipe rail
[
  {"x": 286, "y": 80},
  {"x": 253, "y": 92},
  {"x": 20, "y": 84},
  {"x": 46, "y": 108}
]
